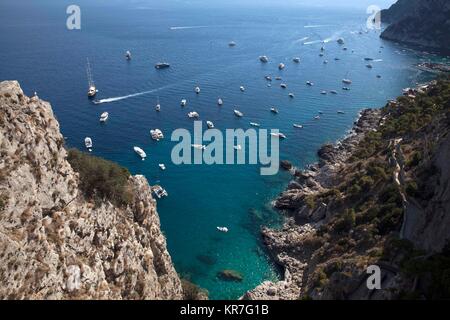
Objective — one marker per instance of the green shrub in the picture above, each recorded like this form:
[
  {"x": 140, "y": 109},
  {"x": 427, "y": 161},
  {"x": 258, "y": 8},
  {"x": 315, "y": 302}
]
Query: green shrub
[{"x": 101, "y": 179}]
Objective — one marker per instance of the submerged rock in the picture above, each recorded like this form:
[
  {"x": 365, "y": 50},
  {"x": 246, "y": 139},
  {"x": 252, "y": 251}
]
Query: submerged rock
[{"x": 230, "y": 275}]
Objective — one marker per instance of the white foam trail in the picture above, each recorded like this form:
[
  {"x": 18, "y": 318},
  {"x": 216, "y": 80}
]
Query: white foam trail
[
  {"x": 378, "y": 60},
  {"x": 318, "y": 26},
  {"x": 187, "y": 27},
  {"x": 313, "y": 42},
  {"x": 109, "y": 100},
  {"x": 327, "y": 40}
]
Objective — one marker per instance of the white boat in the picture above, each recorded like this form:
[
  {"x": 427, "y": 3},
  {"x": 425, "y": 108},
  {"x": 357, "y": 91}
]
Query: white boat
[
  {"x": 183, "y": 102},
  {"x": 346, "y": 88},
  {"x": 268, "y": 78},
  {"x": 158, "y": 106},
  {"x": 140, "y": 152},
  {"x": 296, "y": 60},
  {"x": 162, "y": 166},
  {"x": 291, "y": 95},
  {"x": 323, "y": 92},
  {"x": 309, "y": 83},
  {"x": 283, "y": 85},
  {"x": 156, "y": 134},
  {"x": 264, "y": 59},
  {"x": 274, "y": 110},
  {"x": 159, "y": 192},
  {"x": 128, "y": 55},
  {"x": 210, "y": 124},
  {"x": 88, "y": 143},
  {"x": 325, "y": 61},
  {"x": 162, "y": 65},
  {"x": 347, "y": 81},
  {"x": 238, "y": 113},
  {"x": 281, "y": 66},
  {"x": 232, "y": 44},
  {"x": 254, "y": 124},
  {"x": 92, "y": 91},
  {"x": 197, "y": 90},
  {"x": 198, "y": 146},
  {"x": 340, "y": 112},
  {"x": 340, "y": 41},
  {"x": 317, "y": 118},
  {"x": 220, "y": 101},
  {"x": 222, "y": 229},
  {"x": 278, "y": 78},
  {"x": 242, "y": 88},
  {"x": 104, "y": 117},
  {"x": 193, "y": 115},
  {"x": 299, "y": 126},
  {"x": 238, "y": 147},
  {"x": 333, "y": 91},
  {"x": 278, "y": 135},
  {"x": 322, "y": 48}
]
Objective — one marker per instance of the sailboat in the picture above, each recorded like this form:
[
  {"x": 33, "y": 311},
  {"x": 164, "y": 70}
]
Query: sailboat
[{"x": 92, "y": 89}]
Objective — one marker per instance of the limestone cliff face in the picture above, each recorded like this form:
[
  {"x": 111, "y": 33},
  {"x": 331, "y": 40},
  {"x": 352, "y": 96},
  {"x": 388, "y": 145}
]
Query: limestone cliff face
[
  {"x": 54, "y": 244},
  {"x": 423, "y": 23}
]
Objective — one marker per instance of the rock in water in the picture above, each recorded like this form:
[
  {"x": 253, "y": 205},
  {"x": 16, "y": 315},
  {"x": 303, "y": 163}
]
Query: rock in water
[
  {"x": 230, "y": 275},
  {"x": 286, "y": 165}
]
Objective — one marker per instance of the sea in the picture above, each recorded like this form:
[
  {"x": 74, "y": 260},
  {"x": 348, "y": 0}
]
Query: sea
[{"x": 39, "y": 51}]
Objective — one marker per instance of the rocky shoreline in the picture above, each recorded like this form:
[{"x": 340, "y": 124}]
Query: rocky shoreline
[{"x": 285, "y": 244}]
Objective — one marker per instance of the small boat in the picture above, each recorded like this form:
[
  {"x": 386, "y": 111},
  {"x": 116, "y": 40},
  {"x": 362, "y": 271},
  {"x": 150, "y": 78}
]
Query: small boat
[
  {"x": 269, "y": 85},
  {"x": 159, "y": 192},
  {"x": 340, "y": 41},
  {"x": 156, "y": 134},
  {"x": 183, "y": 102},
  {"x": 320, "y": 112},
  {"x": 309, "y": 83},
  {"x": 128, "y": 55},
  {"x": 333, "y": 91},
  {"x": 219, "y": 101},
  {"x": 283, "y": 85},
  {"x": 278, "y": 78},
  {"x": 317, "y": 118},
  {"x": 197, "y": 90},
  {"x": 340, "y": 112},
  {"x": 242, "y": 88},
  {"x": 296, "y": 60},
  {"x": 254, "y": 124},
  {"x": 232, "y": 44},
  {"x": 323, "y": 92},
  {"x": 321, "y": 54},
  {"x": 325, "y": 62},
  {"x": 104, "y": 117},
  {"x": 281, "y": 66},
  {"x": 162, "y": 166},
  {"x": 345, "y": 48},
  {"x": 210, "y": 124},
  {"x": 347, "y": 81},
  {"x": 298, "y": 126},
  {"x": 92, "y": 91},
  {"x": 369, "y": 66},
  {"x": 291, "y": 95},
  {"x": 268, "y": 78},
  {"x": 222, "y": 229},
  {"x": 368, "y": 59},
  {"x": 337, "y": 59},
  {"x": 238, "y": 147},
  {"x": 193, "y": 115},
  {"x": 264, "y": 59},
  {"x": 88, "y": 143},
  {"x": 322, "y": 48},
  {"x": 278, "y": 135},
  {"x": 140, "y": 152},
  {"x": 238, "y": 113},
  {"x": 346, "y": 88},
  {"x": 378, "y": 76},
  {"x": 274, "y": 110},
  {"x": 158, "y": 106},
  {"x": 162, "y": 65},
  {"x": 198, "y": 146}
]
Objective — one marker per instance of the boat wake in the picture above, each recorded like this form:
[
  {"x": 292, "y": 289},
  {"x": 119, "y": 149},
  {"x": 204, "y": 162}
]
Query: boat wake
[
  {"x": 187, "y": 27},
  {"x": 313, "y": 42},
  {"x": 318, "y": 26},
  {"x": 114, "y": 99}
]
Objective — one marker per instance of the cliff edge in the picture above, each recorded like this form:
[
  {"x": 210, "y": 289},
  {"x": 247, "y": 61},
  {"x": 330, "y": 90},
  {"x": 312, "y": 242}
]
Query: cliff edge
[{"x": 56, "y": 242}]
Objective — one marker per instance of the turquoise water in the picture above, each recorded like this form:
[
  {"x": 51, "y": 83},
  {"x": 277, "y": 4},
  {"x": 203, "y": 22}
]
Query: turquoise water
[{"x": 38, "y": 51}]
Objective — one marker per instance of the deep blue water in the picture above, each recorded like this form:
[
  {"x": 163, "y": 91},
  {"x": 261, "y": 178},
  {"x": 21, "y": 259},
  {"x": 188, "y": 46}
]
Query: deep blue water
[{"x": 45, "y": 57}]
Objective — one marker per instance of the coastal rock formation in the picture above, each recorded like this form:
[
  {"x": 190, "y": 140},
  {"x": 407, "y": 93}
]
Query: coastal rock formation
[
  {"x": 380, "y": 197},
  {"x": 423, "y": 23},
  {"x": 54, "y": 242}
]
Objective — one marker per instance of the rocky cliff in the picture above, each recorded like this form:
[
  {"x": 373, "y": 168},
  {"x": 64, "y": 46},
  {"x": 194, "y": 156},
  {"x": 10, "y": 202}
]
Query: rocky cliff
[
  {"x": 424, "y": 23},
  {"x": 380, "y": 197},
  {"x": 56, "y": 242}
]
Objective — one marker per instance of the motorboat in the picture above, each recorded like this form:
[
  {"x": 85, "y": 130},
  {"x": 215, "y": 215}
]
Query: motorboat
[
  {"x": 298, "y": 126},
  {"x": 237, "y": 147},
  {"x": 346, "y": 88},
  {"x": 159, "y": 191},
  {"x": 264, "y": 59},
  {"x": 183, "y": 102},
  {"x": 88, "y": 143},
  {"x": 340, "y": 112},
  {"x": 222, "y": 229},
  {"x": 283, "y": 85},
  {"x": 162, "y": 65},
  {"x": 92, "y": 91},
  {"x": 128, "y": 55},
  {"x": 317, "y": 118},
  {"x": 345, "y": 48},
  {"x": 156, "y": 134},
  {"x": 210, "y": 124},
  {"x": 281, "y": 66},
  {"x": 197, "y": 90},
  {"x": 238, "y": 113},
  {"x": 368, "y": 59},
  {"x": 104, "y": 116},
  {"x": 232, "y": 44},
  {"x": 340, "y": 41},
  {"x": 296, "y": 60},
  {"x": 198, "y": 146},
  {"x": 220, "y": 101},
  {"x": 333, "y": 92},
  {"x": 369, "y": 66},
  {"x": 140, "y": 152},
  {"x": 309, "y": 83},
  {"x": 378, "y": 76},
  {"x": 321, "y": 54},
  {"x": 337, "y": 59},
  {"x": 274, "y": 110},
  {"x": 162, "y": 166},
  {"x": 268, "y": 78},
  {"x": 278, "y": 135},
  {"x": 347, "y": 81},
  {"x": 323, "y": 92},
  {"x": 193, "y": 115},
  {"x": 158, "y": 106},
  {"x": 291, "y": 95},
  {"x": 254, "y": 124},
  {"x": 242, "y": 88}
]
